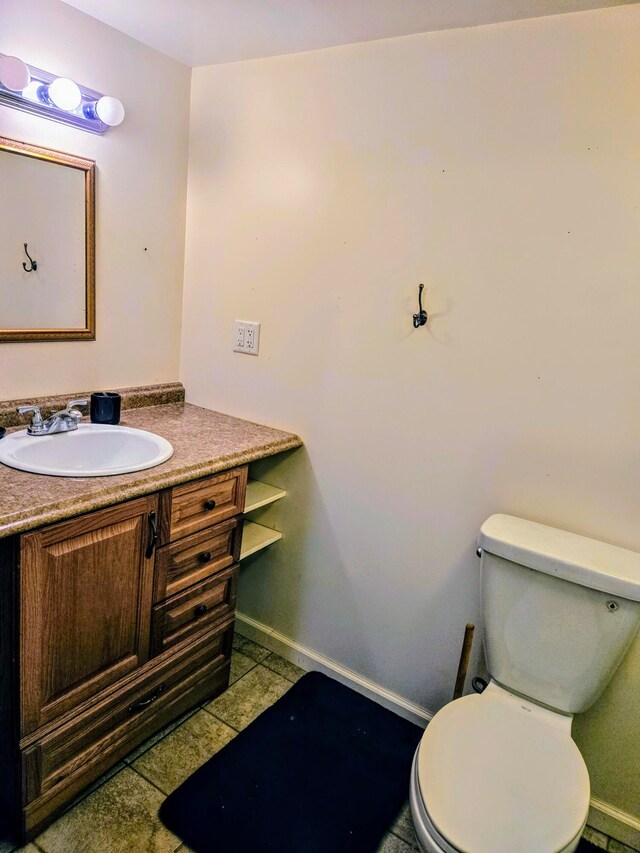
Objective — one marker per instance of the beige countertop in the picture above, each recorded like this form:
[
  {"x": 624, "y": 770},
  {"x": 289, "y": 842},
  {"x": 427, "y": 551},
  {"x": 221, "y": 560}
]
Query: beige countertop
[{"x": 204, "y": 442}]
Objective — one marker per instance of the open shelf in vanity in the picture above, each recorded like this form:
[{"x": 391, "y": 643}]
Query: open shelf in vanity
[{"x": 256, "y": 536}]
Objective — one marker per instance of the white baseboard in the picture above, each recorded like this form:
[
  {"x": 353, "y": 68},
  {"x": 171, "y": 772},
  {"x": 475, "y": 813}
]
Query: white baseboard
[
  {"x": 311, "y": 660},
  {"x": 617, "y": 824}
]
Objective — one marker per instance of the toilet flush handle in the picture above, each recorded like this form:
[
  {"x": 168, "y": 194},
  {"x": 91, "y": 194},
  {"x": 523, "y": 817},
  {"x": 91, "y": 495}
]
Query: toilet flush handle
[{"x": 479, "y": 552}]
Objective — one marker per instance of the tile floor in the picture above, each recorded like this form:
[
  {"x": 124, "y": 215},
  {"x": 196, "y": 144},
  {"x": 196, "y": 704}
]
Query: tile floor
[
  {"x": 603, "y": 842},
  {"x": 119, "y": 814}
]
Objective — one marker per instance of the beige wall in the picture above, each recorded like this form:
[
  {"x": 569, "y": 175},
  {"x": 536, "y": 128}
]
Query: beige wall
[
  {"x": 141, "y": 189},
  {"x": 501, "y": 166}
]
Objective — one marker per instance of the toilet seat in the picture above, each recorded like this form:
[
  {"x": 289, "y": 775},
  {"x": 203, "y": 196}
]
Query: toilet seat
[
  {"x": 498, "y": 774},
  {"x": 429, "y": 839}
]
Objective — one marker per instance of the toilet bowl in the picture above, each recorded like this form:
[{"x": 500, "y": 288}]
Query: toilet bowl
[
  {"x": 499, "y": 772},
  {"x": 495, "y": 773}
]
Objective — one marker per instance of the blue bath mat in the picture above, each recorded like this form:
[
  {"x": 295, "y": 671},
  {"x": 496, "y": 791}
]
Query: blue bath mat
[{"x": 323, "y": 770}]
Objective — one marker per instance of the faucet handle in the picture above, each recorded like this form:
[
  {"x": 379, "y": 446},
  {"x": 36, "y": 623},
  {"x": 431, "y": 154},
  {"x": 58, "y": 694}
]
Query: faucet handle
[
  {"x": 37, "y": 424},
  {"x": 72, "y": 410},
  {"x": 37, "y": 417}
]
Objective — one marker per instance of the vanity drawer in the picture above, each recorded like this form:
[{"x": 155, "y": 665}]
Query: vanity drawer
[
  {"x": 198, "y": 505},
  {"x": 62, "y": 762},
  {"x": 196, "y": 558},
  {"x": 193, "y": 610}
]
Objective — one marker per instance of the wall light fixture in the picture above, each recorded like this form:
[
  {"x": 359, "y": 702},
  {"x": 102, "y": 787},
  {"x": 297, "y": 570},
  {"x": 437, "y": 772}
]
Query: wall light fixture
[{"x": 28, "y": 88}]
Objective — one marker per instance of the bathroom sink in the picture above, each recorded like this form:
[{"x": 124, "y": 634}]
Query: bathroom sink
[{"x": 92, "y": 450}]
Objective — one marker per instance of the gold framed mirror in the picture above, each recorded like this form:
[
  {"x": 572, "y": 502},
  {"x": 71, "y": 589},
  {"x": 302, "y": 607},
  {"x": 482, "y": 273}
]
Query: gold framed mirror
[{"x": 47, "y": 244}]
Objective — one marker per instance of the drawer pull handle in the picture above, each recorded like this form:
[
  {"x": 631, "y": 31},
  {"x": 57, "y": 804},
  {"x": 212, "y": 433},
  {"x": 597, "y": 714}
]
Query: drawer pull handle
[
  {"x": 153, "y": 535},
  {"x": 134, "y": 707},
  {"x": 205, "y": 557},
  {"x": 200, "y": 610},
  {"x": 210, "y": 504}
]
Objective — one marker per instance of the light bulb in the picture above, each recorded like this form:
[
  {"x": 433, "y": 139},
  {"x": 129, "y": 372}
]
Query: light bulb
[
  {"x": 14, "y": 73},
  {"x": 64, "y": 94},
  {"x": 109, "y": 110}
]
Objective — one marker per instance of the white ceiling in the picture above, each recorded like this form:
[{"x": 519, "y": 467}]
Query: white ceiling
[{"x": 205, "y": 32}]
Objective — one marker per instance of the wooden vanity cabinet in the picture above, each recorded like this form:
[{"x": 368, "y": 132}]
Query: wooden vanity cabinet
[{"x": 113, "y": 624}]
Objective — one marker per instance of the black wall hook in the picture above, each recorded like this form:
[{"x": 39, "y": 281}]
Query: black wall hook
[
  {"x": 421, "y": 317},
  {"x": 34, "y": 264}
]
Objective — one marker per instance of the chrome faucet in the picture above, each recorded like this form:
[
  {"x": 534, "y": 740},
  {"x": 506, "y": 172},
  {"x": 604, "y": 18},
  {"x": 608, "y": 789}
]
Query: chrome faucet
[{"x": 63, "y": 421}]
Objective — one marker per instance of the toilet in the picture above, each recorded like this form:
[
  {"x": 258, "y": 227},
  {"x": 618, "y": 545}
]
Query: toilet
[{"x": 498, "y": 772}]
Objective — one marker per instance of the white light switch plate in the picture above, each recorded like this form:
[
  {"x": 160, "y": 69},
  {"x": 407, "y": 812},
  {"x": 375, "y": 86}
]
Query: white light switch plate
[{"x": 246, "y": 337}]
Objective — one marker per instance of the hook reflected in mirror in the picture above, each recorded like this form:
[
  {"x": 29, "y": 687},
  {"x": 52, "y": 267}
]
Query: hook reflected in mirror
[{"x": 34, "y": 264}]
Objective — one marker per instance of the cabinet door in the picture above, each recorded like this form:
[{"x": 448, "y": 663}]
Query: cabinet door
[{"x": 86, "y": 590}]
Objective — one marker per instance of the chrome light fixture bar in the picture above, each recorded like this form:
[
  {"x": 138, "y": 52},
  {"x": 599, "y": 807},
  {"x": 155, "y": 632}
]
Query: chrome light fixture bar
[{"x": 25, "y": 87}]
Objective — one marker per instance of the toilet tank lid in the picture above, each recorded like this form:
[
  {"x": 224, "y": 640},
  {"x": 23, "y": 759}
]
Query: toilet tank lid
[{"x": 574, "y": 558}]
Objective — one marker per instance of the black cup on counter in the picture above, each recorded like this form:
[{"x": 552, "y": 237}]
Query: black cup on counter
[{"x": 105, "y": 407}]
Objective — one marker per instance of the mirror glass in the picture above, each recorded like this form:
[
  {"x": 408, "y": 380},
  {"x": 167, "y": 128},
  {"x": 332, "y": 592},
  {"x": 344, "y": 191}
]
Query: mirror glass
[{"x": 47, "y": 288}]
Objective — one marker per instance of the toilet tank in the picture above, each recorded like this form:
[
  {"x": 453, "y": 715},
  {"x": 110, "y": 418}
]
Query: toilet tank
[{"x": 560, "y": 610}]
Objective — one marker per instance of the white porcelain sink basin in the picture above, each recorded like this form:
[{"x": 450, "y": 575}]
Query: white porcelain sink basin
[{"x": 93, "y": 450}]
